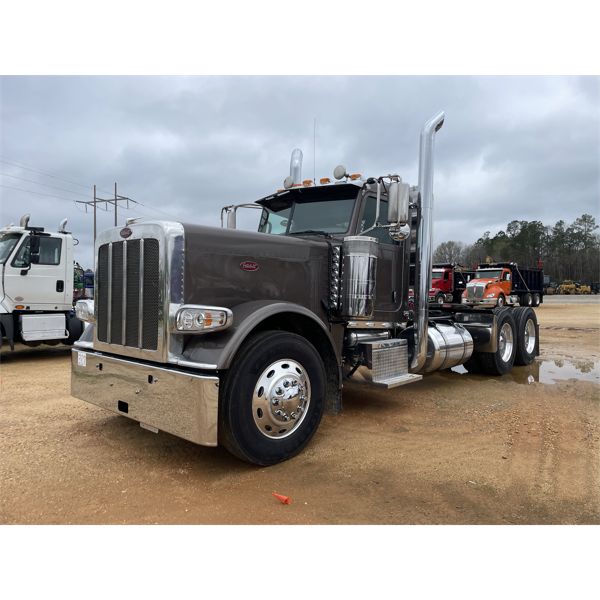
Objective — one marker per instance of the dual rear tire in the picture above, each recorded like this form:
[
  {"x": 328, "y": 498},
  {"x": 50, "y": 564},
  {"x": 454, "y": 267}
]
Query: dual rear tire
[{"x": 516, "y": 341}]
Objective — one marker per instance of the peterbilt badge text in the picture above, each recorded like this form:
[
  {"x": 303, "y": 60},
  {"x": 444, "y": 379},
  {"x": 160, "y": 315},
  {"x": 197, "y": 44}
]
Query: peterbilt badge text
[{"x": 249, "y": 265}]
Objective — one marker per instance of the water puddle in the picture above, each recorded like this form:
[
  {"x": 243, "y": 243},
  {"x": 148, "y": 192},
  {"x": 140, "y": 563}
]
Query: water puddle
[{"x": 550, "y": 371}]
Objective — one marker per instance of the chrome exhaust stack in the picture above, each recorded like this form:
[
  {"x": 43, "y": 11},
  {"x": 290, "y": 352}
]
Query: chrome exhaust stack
[{"x": 424, "y": 240}]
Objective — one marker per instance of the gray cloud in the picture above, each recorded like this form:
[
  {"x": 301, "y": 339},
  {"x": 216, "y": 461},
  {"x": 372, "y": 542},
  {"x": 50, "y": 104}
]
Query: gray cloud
[{"x": 511, "y": 148}]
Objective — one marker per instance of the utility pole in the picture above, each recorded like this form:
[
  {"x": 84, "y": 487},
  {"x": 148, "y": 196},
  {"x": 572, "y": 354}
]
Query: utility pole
[{"x": 105, "y": 202}]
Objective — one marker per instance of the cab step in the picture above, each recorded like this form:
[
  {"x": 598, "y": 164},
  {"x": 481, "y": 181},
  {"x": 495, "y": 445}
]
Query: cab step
[{"x": 387, "y": 361}]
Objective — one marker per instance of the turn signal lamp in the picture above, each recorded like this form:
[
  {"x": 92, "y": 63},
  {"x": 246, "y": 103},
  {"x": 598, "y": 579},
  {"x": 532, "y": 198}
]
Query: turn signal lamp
[
  {"x": 200, "y": 319},
  {"x": 84, "y": 311}
]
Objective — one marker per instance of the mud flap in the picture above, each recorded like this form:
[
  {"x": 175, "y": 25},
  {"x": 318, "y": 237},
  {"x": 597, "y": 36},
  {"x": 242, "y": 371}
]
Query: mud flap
[{"x": 8, "y": 329}]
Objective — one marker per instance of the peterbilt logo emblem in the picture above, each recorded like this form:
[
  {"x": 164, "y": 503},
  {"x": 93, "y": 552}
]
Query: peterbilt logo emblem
[
  {"x": 125, "y": 232},
  {"x": 249, "y": 265}
]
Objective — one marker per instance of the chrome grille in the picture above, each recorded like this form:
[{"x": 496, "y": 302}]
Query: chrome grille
[
  {"x": 475, "y": 291},
  {"x": 128, "y": 293}
]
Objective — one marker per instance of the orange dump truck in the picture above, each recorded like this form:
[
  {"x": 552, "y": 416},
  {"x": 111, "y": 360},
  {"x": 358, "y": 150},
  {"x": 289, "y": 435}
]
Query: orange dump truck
[{"x": 499, "y": 284}]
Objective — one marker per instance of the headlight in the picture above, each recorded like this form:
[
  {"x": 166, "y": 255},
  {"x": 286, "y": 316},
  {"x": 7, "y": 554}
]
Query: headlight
[
  {"x": 490, "y": 295},
  {"x": 84, "y": 310},
  {"x": 199, "y": 319}
]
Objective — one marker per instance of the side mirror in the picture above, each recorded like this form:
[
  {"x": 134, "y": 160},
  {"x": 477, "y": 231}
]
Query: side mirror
[
  {"x": 398, "y": 196},
  {"x": 34, "y": 250}
]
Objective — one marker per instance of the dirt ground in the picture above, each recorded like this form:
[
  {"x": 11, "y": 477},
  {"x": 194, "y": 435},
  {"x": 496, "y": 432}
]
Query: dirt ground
[{"x": 454, "y": 448}]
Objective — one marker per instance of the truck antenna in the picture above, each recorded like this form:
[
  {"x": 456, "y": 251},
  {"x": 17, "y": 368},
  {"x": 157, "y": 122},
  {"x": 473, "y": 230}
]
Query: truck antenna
[{"x": 315, "y": 150}]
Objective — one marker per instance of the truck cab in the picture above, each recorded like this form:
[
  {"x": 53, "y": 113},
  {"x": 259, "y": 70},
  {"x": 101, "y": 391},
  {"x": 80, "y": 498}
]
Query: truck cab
[
  {"x": 36, "y": 291},
  {"x": 448, "y": 281},
  {"x": 490, "y": 286},
  {"x": 244, "y": 338}
]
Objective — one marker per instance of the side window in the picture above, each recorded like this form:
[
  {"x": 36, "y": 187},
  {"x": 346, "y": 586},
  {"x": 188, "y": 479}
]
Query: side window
[
  {"x": 507, "y": 276},
  {"x": 49, "y": 253},
  {"x": 368, "y": 219},
  {"x": 274, "y": 222},
  {"x": 21, "y": 260}
]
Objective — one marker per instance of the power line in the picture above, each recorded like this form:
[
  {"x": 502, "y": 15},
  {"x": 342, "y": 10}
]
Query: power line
[
  {"x": 47, "y": 174},
  {"x": 42, "y": 184},
  {"x": 12, "y": 187}
]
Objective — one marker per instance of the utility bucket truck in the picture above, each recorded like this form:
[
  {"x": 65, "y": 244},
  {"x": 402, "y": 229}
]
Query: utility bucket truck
[
  {"x": 36, "y": 293},
  {"x": 243, "y": 339}
]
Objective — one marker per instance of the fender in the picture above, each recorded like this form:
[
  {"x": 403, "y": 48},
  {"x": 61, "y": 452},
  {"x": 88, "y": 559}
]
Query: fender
[{"x": 219, "y": 348}]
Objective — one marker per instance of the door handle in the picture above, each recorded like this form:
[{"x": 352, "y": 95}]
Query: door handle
[{"x": 60, "y": 286}]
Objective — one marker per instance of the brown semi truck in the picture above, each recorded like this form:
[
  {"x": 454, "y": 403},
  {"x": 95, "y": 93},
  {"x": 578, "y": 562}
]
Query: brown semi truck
[{"x": 244, "y": 339}]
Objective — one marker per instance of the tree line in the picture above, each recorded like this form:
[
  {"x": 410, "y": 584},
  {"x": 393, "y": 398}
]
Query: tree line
[{"x": 565, "y": 251}]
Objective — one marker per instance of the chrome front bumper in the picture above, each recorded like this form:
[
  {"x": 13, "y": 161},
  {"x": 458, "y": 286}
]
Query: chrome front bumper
[
  {"x": 480, "y": 302},
  {"x": 181, "y": 403}
]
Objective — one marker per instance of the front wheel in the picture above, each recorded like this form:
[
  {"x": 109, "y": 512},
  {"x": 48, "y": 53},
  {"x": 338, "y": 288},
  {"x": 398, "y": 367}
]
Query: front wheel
[
  {"x": 273, "y": 398},
  {"x": 440, "y": 299},
  {"x": 501, "y": 300}
]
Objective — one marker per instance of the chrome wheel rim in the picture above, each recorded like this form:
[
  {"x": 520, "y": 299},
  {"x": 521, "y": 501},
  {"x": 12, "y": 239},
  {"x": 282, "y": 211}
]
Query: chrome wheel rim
[
  {"x": 500, "y": 301},
  {"x": 529, "y": 336},
  {"x": 505, "y": 342},
  {"x": 441, "y": 300},
  {"x": 281, "y": 398}
]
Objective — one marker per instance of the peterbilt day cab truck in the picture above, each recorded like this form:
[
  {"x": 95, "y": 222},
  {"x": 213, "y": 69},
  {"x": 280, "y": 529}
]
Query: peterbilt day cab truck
[
  {"x": 448, "y": 282},
  {"x": 244, "y": 339},
  {"x": 36, "y": 291},
  {"x": 499, "y": 284}
]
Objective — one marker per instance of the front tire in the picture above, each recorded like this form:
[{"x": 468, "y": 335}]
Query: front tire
[
  {"x": 501, "y": 301},
  {"x": 440, "y": 299},
  {"x": 272, "y": 399}
]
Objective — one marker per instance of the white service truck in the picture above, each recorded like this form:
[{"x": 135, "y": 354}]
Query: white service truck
[{"x": 36, "y": 292}]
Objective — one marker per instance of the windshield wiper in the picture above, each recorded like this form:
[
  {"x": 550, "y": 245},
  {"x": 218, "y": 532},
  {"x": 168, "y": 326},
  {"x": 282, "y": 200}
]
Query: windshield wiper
[{"x": 311, "y": 232}]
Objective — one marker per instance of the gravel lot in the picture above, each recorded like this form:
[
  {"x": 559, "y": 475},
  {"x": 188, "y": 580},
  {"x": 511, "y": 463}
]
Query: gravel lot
[{"x": 454, "y": 448}]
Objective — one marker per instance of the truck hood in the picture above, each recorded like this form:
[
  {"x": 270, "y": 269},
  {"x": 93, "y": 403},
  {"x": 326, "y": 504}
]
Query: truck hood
[
  {"x": 227, "y": 267},
  {"x": 486, "y": 281}
]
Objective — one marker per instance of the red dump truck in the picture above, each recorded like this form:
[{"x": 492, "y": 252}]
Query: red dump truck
[{"x": 448, "y": 282}]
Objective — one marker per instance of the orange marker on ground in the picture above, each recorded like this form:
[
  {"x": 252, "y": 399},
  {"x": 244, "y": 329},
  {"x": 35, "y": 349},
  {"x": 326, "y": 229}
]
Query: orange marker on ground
[{"x": 282, "y": 499}]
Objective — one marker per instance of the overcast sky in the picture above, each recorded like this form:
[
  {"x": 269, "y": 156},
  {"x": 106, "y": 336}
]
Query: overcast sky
[{"x": 511, "y": 147}]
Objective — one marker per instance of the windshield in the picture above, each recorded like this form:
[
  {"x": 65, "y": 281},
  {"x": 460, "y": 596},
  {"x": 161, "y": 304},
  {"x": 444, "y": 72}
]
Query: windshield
[
  {"x": 7, "y": 243},
  {"x": 327, "y": 216},
  {"x": 437, "y": 274},
  {"x": 488, "y": 274}
]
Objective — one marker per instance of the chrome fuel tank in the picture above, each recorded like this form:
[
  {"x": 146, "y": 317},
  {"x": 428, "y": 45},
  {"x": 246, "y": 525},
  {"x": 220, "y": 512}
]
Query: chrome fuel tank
[{"x": 448, "y": 345}]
